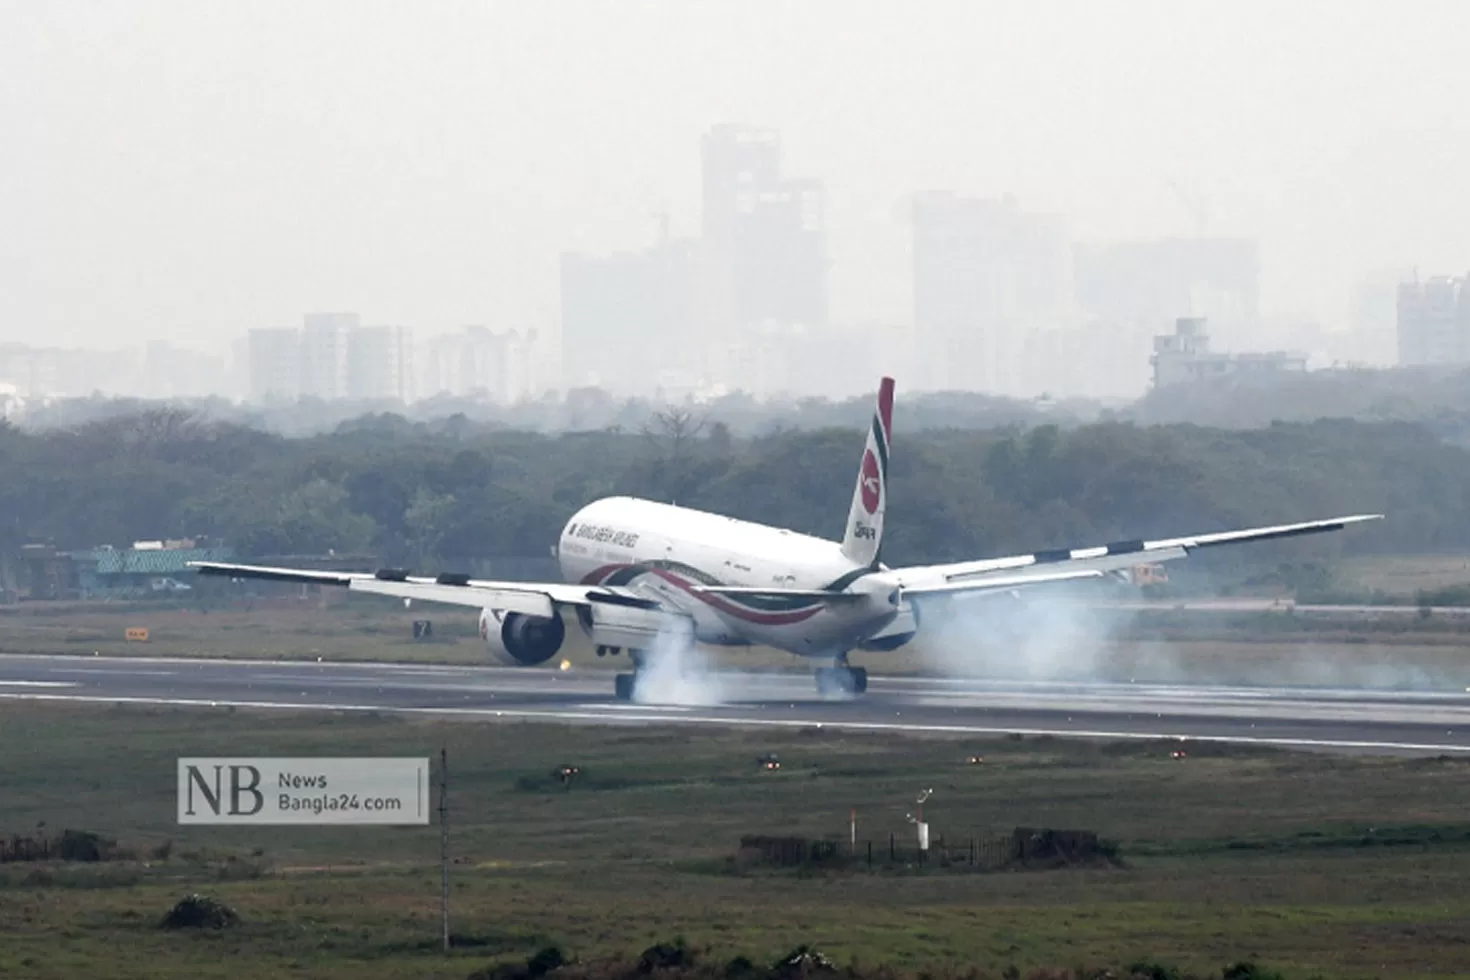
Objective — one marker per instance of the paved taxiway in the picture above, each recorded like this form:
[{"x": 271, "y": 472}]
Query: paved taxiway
[{"x": 1342, "y": 720}]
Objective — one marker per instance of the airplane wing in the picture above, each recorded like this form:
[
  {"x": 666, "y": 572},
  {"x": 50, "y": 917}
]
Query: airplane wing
[
  {"x": 996, "y": 583},
  {"x": 992, "y": 572},
  {"x": 528, "y": 598}
]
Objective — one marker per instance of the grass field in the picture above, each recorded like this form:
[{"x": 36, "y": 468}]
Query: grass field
[
  {"x": 1403, "y": 576},
  {"x": 1313, "y": 865}
]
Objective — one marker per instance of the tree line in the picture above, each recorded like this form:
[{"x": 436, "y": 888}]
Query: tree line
[{"x": 435, "y": 495}]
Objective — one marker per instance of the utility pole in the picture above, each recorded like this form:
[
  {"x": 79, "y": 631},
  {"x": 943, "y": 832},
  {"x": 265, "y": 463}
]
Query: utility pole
[
  {"x": 920, "y": 825},
  {"x": 444, "y": 843}
]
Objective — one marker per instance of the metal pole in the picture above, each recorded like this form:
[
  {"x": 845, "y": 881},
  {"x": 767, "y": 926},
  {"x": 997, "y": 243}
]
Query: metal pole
[{"x": 444, "y": 842}]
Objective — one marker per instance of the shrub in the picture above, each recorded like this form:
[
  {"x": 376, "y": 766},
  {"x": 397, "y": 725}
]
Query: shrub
[
  {"x": 666, "y": 956},
  {"x": 1248, "y": 971},
  {"x": 200, "y": 912}
]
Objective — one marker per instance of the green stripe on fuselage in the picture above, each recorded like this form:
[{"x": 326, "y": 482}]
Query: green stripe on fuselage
[{"x": 764, "y": 604}]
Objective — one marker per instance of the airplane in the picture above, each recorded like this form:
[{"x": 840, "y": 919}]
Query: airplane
[{"x": 651, "y": 578}]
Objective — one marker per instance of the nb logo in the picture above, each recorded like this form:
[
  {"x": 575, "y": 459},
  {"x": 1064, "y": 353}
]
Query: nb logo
[
  {"x": 871, "y": 484},
  {"x": 244, "y": 783}
]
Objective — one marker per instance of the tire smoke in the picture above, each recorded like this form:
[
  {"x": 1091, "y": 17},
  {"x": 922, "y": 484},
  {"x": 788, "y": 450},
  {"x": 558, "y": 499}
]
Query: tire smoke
[
  {"x": 676, "y": 672},
  {"x": 1044, "y": 635},
  {"x": 1072, "y": 636}
]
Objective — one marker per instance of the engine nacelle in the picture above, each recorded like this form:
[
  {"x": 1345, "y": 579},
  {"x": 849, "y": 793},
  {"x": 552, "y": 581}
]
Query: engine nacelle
[
  {"x": 518, "y": 640},
  {"x": 634, "y": 625},
  {"x": 897, "y": 633}
]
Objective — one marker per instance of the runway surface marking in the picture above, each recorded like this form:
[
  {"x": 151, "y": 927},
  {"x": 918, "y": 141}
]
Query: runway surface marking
[
  {"x": 639, "y": 713},
  {"x": 37, "y": 684}
]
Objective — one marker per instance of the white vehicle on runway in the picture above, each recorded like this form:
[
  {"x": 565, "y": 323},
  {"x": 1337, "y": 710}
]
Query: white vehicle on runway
[{"x": 651, "y": 578}]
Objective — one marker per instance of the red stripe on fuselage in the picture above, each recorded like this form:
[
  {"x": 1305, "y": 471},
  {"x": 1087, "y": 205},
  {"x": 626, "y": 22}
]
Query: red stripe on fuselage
[
  {"x": 596, "y": 576},
  {"x": 719, "y": 603},
  {"x": 723, "y": 605}
]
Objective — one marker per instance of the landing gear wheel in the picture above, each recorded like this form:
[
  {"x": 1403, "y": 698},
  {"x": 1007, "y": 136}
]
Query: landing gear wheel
[
  {"x": 623, "y": 685},
  {"x": 842, "y": 680}
]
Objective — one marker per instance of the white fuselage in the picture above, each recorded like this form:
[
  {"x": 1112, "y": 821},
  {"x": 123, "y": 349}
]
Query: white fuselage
[{"x": 661, "y": 551}]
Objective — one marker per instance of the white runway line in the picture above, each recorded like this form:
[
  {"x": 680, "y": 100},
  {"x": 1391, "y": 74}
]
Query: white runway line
[
  {"x": 106, "y": 672},
  {"x": 634, "y": 707},
  {"x": 37, "y": 684},
  {"x": 738, "y": 722}
]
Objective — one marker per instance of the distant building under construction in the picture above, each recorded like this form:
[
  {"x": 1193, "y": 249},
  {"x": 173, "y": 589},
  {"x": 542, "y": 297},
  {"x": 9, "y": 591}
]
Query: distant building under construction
[{"x": 1184, "y": 357}]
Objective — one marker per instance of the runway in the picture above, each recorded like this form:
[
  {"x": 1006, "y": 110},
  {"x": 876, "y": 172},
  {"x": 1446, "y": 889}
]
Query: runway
[{"x": 1394, "y": 722}]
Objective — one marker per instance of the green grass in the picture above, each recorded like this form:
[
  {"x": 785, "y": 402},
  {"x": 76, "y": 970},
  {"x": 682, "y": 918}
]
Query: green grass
[
  {"x": 1314, "y": 865},
  {"x": 1405, "y": 575}
]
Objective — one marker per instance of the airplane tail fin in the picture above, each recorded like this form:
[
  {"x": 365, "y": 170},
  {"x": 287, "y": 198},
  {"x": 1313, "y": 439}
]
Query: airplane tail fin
[{"x": 864, "y": 534}]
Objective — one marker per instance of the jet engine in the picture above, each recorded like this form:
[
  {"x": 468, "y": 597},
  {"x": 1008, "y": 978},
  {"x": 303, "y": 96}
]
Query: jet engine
[
  {"x": 518, "y": 640},
  {"x": 903, "y": 629}
]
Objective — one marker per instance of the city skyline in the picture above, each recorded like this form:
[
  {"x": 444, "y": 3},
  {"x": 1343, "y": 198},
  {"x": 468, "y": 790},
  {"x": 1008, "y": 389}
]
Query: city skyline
[
  {"x": 1004, "y": 301},
  {"x": 257, "y": 171}
]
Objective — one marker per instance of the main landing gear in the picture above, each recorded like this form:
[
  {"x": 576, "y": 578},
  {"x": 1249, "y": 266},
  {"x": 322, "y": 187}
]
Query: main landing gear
[
  {"x": 624, "y": 684},
  {"x": 841, "y": 679}
]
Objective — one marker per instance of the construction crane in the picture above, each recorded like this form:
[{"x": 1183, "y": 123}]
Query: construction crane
[{"x": 1194, "y": 204}]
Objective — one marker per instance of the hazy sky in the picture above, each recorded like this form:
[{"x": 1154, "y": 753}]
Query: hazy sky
[{"x": 187, "y": 169}]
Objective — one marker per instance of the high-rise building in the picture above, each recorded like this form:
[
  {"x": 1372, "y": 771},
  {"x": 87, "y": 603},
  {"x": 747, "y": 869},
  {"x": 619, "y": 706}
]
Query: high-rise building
[
  {"x": 330, "y": 357},
  {"x": 1372, "y": 335},
  {"x": 739, "y": 162},
  {"x": 716, "y": 310},
  {"x": 69, "y": 372},
  {"x": 275, "y": 363},
  {"x": 1434, "y": 321},
  {"x": 985, "y": 276},
  {"x": 380, "y": 364},
  {"x": 324, "y": 340},
  {"x": 764, "y": 234},
  {"x": 628, "y": 319},
  {"x": 479, "y": 363}
]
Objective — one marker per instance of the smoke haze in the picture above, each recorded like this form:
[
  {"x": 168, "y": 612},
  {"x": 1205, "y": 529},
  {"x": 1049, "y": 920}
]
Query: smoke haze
[
  {"x": 1069, "y": 637},
  {"x": 187, "y": 172}
]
